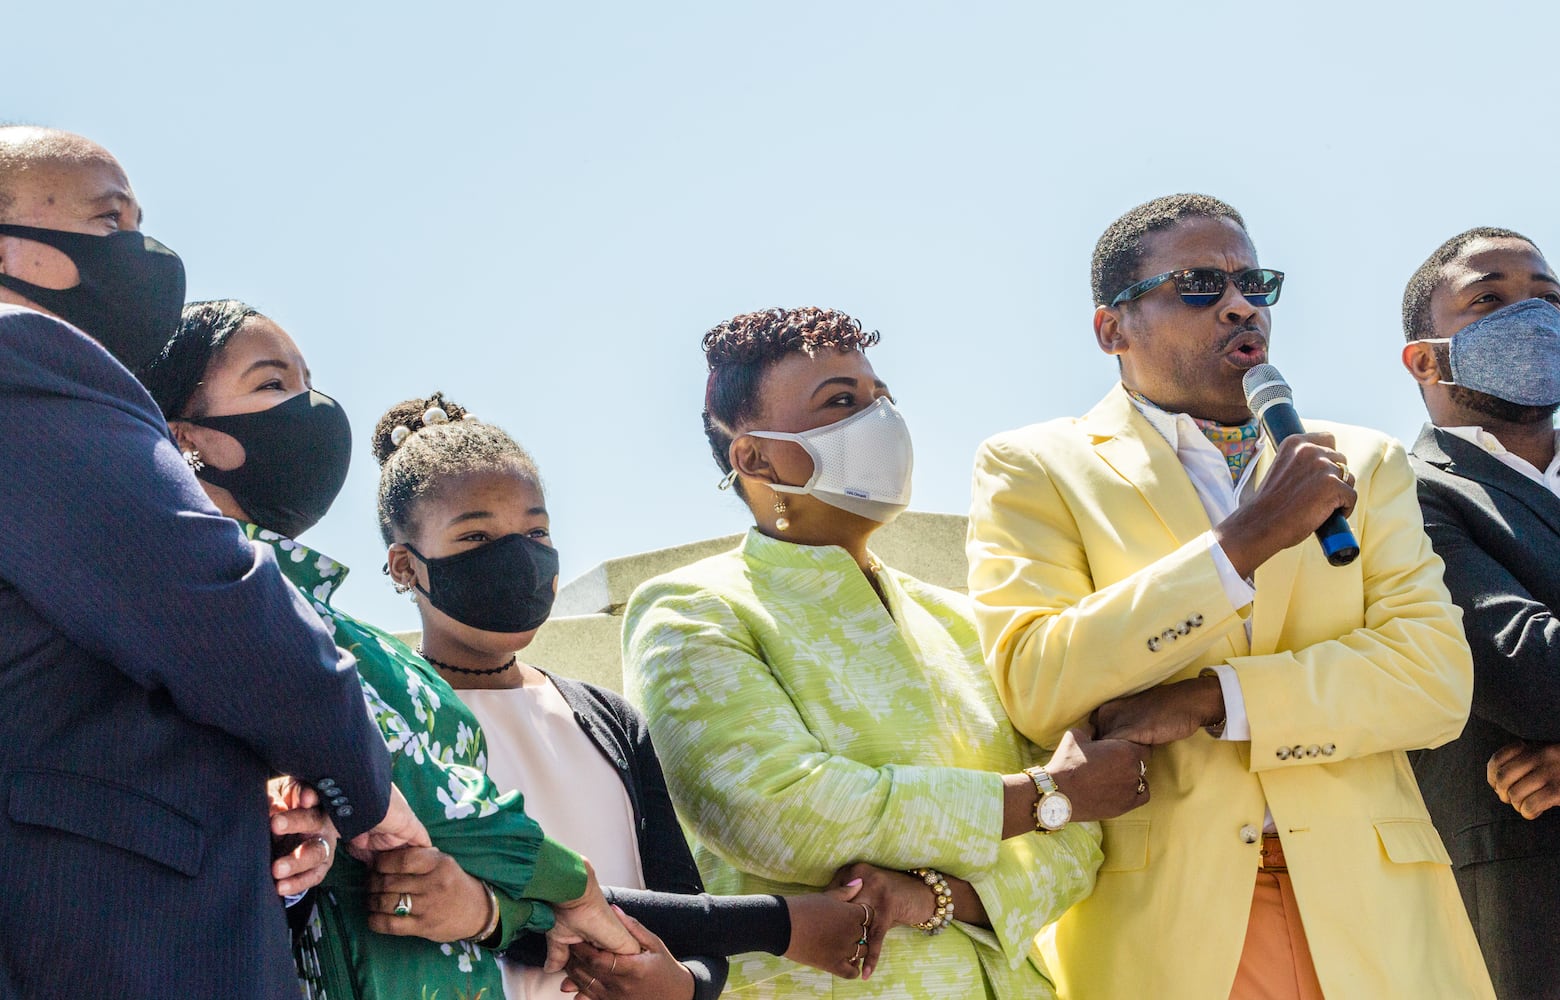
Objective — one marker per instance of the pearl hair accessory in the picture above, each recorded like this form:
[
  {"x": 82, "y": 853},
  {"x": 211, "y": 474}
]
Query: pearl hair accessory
[
  {"x": 435, "y": 415},
  {"x": 399, "y": 434}
]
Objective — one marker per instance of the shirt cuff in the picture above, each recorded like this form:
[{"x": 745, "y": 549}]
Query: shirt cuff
[
  {"x": 1236, "y": 725},
  {"x": 1236, "y": 587},
  {"x": 558, "y": 875}
]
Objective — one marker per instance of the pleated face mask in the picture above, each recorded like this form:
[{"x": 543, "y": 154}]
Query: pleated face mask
[
  {"x": 861, "y": 464},
  {"x": 1511, "y": 354}
]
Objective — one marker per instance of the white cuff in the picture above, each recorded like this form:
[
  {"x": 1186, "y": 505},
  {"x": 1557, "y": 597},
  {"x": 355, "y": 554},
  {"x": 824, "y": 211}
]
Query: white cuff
[
  {"x": 1236, "y": 725},
  {"x": 1236, "y": 587}
]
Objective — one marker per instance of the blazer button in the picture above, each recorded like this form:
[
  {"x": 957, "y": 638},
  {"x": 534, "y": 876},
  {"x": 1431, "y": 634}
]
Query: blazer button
[
  {"x": 1282, "y": 753},
  {"x": 1170, "y": 634},
  {"x": 1312, "y": 750},
  {"x": 1183, "y": 628},
  {"x": 1153, "y": 644},
  {"x": 1327, "y": 749},
  {"x": 1248, "y": 834},
  {"x": 1195, "y": 621},
  {"x": 325, "y": 784},
  {"x": 344, "y": 811},
  {"x": 1297, "y": 752},
  {"x": 339, "y": 800}
]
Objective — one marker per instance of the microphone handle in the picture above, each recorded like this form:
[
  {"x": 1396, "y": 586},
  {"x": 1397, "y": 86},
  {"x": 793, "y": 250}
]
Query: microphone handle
[{"x": 1339, "y": 545}]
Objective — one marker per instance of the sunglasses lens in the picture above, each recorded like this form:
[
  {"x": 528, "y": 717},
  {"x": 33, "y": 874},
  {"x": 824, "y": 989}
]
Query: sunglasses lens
[
  {"x": 1260, "y": 286},
  {"x": 1200, "y": 286}
]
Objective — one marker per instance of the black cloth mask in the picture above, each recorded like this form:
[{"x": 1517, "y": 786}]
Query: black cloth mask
[
  {"x": 130, "y": 294},
  {"x": 296, "y": 456},
  {"x": 506, "y": 585}
]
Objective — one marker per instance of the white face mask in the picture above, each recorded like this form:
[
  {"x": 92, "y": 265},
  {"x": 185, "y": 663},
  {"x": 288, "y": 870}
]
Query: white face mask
[{"x": 861, "y": 464}]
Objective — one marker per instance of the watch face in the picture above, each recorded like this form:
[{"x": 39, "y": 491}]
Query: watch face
[{"x": 1055, "y": 811}]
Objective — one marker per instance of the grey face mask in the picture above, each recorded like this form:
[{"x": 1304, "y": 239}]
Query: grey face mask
[{"x": 1511, "y": 354}]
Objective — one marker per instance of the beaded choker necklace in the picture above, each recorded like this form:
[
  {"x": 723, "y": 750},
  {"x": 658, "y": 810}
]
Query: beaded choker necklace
[{"x": 466, "y": 670}]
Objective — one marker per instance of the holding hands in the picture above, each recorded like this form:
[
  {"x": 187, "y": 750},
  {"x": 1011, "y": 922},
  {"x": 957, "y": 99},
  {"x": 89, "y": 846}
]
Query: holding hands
[
  {"x": 605, "y": 975},
  {"x": 1102, "y": 778},
  {"x": 423, "y": 892},
  {"x": 303, "y": 839}
]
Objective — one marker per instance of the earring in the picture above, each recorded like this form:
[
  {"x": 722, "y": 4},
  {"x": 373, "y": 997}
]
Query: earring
[
  {"x": 192, "y": 459},
  {"x": 781, "y": 521},
  {"x": 401, "y": 588}
]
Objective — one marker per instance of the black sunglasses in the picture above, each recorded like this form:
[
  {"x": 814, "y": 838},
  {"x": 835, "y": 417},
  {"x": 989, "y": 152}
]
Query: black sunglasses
[{"x": 1203, "y": 286}]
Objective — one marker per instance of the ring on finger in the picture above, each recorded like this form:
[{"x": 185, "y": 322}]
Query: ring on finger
[
  {"x": 1343, "y": 469},
  {"x": 614, "y": 964},
  {"x": 325, "y": 843},
  {"x": 403, "y": 905},
  {"x": 584, "y": 990}
]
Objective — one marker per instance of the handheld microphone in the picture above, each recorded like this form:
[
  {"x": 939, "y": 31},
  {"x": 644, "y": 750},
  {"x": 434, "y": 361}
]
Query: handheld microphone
[{"x": 1273, "y": 403}]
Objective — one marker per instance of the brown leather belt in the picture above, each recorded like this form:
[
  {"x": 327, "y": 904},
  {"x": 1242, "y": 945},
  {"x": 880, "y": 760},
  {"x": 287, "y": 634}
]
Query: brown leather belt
[{"x": 1272, "y": 854}]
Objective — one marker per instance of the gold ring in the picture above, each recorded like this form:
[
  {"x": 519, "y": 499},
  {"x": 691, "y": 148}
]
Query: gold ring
[
  {"x": 614, "y": 964},
  {"x": 403, "y": 905},
  {"x": 1343, "y": 469},
  {"x": 325, "y": 843},
  {"x": 586, "y": 989}
]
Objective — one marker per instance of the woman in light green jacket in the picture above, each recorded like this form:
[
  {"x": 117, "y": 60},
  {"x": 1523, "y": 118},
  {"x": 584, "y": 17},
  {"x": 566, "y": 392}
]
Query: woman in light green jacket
[{"x": 814, "y": 708}]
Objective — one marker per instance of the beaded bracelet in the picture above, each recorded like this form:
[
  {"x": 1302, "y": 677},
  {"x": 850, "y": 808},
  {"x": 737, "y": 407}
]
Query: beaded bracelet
[
  {"x": 939, "y": 886},
  {"x": 481, "y": 937}
]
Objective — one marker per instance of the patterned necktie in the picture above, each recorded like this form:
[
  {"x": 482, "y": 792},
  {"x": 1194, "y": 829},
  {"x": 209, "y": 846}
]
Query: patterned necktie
[{"x": 1236, "y": 443}]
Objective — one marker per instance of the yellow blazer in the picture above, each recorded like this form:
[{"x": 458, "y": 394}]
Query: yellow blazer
[{"x": 1090, "y": 582}]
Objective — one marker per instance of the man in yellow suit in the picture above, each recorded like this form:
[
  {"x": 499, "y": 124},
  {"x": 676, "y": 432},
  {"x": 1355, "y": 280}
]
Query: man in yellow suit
[{"x": 1151, "y": 565}]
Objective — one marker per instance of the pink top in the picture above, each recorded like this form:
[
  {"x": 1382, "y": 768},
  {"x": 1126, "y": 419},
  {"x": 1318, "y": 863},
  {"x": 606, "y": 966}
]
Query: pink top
[{"x": 571, "y": 789}]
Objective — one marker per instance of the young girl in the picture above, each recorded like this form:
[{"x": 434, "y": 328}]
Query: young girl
[{"x": 462, "y": 510}]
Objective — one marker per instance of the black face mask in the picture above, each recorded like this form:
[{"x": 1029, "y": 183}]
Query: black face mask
[
  {"x": 130, "y": 295},
  {"x": 504, "y": 586},
  {"x": 296, "y": 456}
]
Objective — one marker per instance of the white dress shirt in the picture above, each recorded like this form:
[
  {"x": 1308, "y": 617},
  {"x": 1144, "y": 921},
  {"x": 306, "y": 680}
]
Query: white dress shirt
[
  {"x": 1205, "y": 465},
  {"x": 1548, "y": 478}
]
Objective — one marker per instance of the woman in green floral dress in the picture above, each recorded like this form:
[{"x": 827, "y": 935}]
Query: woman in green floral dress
[{"x": 272, "y": 454}]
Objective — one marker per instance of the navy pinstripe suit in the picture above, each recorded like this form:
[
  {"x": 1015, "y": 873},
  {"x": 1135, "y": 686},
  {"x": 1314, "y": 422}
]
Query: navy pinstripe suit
[{"x": 154, "y": 669}]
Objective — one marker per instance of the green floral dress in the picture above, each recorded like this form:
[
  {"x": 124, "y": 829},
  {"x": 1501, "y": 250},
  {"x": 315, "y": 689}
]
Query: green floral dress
[{"x": 439, "y": 762}]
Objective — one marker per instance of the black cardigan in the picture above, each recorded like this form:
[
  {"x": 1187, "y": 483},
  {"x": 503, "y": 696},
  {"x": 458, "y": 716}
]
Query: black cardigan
[{"x": 699, "y": 929}]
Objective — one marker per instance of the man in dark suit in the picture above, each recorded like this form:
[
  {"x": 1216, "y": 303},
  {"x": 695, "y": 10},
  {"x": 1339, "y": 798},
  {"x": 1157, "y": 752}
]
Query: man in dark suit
[
  {"x": 1485, "y": 350},
  {"x": 155, "y": 668}
]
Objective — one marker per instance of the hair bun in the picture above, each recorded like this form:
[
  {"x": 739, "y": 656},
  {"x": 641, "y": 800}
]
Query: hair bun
[{"x": 408, "y": 417}]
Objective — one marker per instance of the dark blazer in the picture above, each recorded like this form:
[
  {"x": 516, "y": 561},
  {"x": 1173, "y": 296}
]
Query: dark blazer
[
  {"x": 1499, "y": 534},
  {"x": 155, "y": 669},
  {"x": 698, "y": 928}
]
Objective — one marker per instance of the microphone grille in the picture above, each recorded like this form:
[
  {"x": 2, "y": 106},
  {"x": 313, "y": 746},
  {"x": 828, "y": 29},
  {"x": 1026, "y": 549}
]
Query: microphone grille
[{"x": 1265, "y": 386}]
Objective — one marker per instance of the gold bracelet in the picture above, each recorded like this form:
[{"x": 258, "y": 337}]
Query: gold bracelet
[
  {"x": 492, "y": 922},
  {"x": 943, "y": 916}
]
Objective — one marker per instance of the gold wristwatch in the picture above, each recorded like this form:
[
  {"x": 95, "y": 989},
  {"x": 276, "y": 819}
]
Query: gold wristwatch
[{"x": 1053, "y": 809}]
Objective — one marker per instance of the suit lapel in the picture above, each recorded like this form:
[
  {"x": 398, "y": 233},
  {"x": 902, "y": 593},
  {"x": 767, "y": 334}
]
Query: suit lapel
[
  {"x": 1466, "y": 459},
  {"x": 1139, "y": 454},
  {"x": 1275, "y": 579}
]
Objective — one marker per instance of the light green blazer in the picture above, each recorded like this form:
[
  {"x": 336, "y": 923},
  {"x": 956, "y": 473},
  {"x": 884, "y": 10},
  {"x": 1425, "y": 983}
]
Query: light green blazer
[{"x": 803, "y": 726}]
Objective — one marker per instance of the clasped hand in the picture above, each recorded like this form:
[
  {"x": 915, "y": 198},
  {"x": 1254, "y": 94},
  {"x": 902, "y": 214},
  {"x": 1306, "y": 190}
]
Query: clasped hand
[{"x": 1526, "y": 776}]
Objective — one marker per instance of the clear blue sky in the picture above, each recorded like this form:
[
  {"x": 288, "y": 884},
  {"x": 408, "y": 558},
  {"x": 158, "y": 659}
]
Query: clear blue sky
[{"x": 540, "y": 208}]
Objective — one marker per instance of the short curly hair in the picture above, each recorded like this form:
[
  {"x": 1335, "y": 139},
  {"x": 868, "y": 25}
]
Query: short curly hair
[
  {"x": 740, "y": 350},
  {"x": 1119, "y": 253},
  {"x": 1423, "y": 283}
]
